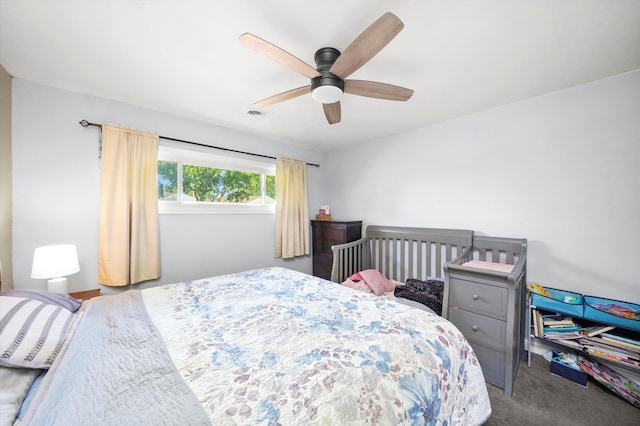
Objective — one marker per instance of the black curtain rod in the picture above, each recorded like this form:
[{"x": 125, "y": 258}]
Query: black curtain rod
[{"x": 85, "y": 123}]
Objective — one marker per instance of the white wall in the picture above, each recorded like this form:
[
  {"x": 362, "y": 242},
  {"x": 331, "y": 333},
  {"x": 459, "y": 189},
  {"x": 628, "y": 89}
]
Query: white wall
[
  {"x": 562, "y": 170},
  {"x": 6, "y": 268},
  {"x": 56, "y": 181}
]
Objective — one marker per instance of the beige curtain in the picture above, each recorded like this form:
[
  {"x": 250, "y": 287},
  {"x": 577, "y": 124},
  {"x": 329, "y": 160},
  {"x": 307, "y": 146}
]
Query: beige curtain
[
  {"x": 292, "y": 208},
  {"x": 128, "y": 240}
]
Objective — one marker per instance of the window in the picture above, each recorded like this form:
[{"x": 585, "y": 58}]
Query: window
[{"x": 200, "y": 182}]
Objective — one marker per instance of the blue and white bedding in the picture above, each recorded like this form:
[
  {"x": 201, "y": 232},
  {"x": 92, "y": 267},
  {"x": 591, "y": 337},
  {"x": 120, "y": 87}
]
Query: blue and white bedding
[{"x": 270, "y": 346}]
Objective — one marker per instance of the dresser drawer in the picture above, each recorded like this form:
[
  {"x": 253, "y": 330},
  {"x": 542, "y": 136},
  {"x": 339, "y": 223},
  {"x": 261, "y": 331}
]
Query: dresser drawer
[
  {"x": 480, "y": 298},
  {"x": 486, "y": 331},
  {"x": 323, "y": 257},
  {"x": 492, "y": 363},
  {"x": 325, "y": 238},
  {"x": 327, "y": 233},
  {"x": 322, "y": 270},
  {"x": 333, "y": 235}
]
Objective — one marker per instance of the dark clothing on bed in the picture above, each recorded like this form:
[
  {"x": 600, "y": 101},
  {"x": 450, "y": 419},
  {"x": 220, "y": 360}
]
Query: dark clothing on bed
[{"x": 429, "y": 293}]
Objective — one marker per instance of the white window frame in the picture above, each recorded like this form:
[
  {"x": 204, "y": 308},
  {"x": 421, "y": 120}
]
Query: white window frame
[{"x": 208, "y": 159}]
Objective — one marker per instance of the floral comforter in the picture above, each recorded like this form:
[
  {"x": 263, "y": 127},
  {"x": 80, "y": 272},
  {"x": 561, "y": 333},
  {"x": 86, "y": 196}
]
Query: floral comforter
[{"x": 275, "y": 346}]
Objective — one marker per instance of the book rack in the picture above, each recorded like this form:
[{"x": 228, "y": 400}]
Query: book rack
[
  {"x": 597, "y": 342},
  {"x": 603, "y": 341}
]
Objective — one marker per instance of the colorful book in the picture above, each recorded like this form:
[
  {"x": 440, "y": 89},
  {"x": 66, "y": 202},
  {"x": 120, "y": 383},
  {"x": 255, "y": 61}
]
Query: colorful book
[
  {"x": 621, "y": 343},
  {"x": 537, "y": 322},
  {"x": 613, "y": 380},
  {"x": 594, "y": 331},
  {"x": 622, "y": 339},
  {"x": 600, "y": 343},
  {"x": 556, "y": 320},
  {"x": 561, "y": 329},
  {"x": 612, "y": 354},
  {"x": 563, "y": 335}
]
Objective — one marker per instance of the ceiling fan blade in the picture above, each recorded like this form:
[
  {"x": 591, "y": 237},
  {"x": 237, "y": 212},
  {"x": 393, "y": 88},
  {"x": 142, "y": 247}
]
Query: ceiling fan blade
[
  {"x": 284, "y": 96},
  {"x": 278, "y": 55},
  {"x": 372, "y": 89},
  {"x": 332, "y": 112},
  {"x": 367, "y": 45}
]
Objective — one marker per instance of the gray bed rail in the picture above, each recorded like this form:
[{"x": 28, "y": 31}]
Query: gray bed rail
[
  {"x": 400, "y": 253},
  {"x": 511, "y": 251}
]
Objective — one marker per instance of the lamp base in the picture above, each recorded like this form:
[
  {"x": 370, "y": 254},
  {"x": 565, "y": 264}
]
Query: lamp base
[{"x": 57, "y": 285}]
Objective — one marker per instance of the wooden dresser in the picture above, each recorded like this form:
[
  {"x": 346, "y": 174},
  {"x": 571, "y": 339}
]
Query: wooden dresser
[{"x": 326, "y": 233}]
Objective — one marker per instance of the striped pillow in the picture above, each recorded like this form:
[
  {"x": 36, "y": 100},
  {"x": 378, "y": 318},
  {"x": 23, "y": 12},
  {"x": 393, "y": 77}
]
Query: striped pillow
[{"x": 31, "y": 332}]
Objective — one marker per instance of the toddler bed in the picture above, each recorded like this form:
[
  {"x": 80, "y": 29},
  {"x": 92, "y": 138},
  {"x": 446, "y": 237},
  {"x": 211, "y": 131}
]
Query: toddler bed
[
  {"x": 400, "y": 253},
  {"x": 403, "y": 255},
  {"x": 270, "y": 346}
]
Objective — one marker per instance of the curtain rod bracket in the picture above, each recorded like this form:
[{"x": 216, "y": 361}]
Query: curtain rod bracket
[{"x": 85, "y": 123}]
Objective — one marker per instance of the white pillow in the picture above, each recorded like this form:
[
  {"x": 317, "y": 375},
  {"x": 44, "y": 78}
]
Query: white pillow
[
  {"x": 31, "y": 332},
  {"x": 15, "y": 386}
]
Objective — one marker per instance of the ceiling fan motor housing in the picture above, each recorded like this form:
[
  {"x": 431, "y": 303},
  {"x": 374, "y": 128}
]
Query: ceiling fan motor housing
[{"x": 325, "y": 57}]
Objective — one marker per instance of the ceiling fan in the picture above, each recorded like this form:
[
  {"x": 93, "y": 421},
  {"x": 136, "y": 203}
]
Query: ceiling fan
[{"x": 328, "y": 79}]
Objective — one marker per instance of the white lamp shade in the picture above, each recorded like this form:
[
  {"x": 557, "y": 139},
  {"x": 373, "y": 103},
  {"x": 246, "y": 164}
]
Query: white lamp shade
[
  {"x": 327, "y": 94},
  {"x": 55, "y": 261}
]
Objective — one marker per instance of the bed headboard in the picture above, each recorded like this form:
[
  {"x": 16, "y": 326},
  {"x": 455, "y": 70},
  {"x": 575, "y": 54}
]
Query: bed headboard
[{"x": 400, "y": 252}]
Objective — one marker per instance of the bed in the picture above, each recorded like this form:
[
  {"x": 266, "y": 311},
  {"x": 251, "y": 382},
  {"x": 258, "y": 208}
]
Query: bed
[
  {"x": 400, "y": 252},
  {"x": 269, "y": 346}
]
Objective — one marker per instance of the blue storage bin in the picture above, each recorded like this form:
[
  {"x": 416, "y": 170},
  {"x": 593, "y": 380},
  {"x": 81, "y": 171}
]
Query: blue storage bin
[
  {"x": 562, "y": 369},
  {"x": 562, "y": 302},
  {"x": 595, "y": 309}
]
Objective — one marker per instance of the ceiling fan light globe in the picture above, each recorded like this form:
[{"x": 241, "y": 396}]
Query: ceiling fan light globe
[{"x": 327, "y": 94}]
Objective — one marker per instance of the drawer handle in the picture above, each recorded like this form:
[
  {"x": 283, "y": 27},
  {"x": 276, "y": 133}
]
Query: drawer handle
[
  {"x": 475, "y": 297},
  {"x": 475, "y": 328}
]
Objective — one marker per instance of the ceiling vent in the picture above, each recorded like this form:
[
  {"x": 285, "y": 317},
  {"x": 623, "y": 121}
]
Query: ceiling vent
[{"x": 255, "y": 113}]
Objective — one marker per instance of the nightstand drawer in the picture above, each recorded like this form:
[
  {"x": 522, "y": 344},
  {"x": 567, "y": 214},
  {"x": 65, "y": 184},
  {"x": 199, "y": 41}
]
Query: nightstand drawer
[
  {"x": 492, "y": 363},
  {"x": 481, "y": 298},
  {"x": 486, "y": 331}
]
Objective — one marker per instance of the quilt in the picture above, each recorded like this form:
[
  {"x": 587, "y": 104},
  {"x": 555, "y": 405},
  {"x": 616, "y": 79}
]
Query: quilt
[
  {"x": 263, "y": 347},
  {"x": 276, "y": 346}
]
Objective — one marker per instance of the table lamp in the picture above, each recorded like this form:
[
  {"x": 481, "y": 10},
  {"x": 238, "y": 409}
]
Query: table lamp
[{"x": 55, "y": 263}]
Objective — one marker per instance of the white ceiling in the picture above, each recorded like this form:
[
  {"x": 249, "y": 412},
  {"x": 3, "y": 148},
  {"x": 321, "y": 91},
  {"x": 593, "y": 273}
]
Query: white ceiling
[{"x": 184, "y": 58}]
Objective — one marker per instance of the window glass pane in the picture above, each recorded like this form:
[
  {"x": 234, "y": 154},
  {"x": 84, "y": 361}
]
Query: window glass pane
[
  {"x": 167, "y": 180},
  {"x": 270, "y": 190},
  {"x": 208, "y": 184},
  {"x": 196, "y": 182}
]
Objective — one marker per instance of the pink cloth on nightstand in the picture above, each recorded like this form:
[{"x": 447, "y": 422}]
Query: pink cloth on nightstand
[{"x": 500, "y": 267}]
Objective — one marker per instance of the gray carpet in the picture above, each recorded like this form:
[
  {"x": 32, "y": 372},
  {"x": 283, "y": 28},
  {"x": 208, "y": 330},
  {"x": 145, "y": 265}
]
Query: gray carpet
[{"x": 540, "y": 398}]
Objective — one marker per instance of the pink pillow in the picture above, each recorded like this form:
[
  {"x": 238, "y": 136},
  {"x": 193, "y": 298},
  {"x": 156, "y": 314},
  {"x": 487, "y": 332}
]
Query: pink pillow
[
  {"x": 358, "y": 284},
  {"x": 378, "y": 283}
]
